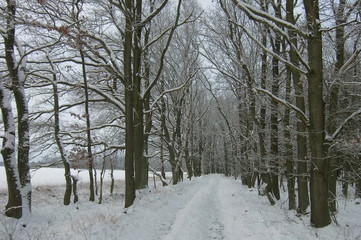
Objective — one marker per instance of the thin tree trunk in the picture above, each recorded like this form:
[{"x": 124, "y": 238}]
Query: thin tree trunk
[
  {"x": 88, "y": 131},
  {"x": 333, "y": 101},
  {"x": 111, "y": 177},
  {"x": 265, "y": 175},
  {"x": 102, "y": 174},
  {"x": 67, "y": 173},
  {"x": 302, "y": 172},
  {"x": 162, "y": 170},
  {"x": 290, "y": 173}
]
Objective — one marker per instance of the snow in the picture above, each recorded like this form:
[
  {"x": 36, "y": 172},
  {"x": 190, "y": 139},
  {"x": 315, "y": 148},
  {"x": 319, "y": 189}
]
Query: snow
[{"x": 208, "y": 207}]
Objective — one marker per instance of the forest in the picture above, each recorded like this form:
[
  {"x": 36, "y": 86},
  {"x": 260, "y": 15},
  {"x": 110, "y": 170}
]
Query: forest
[{"x": 265, "y": 91}]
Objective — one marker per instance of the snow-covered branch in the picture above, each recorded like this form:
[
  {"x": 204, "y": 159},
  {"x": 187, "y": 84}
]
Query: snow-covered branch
[
  {"x": 339, "y": 129},
  {"x": 348, "y": 63},
  {"x": 247, "y": 8},
  {"x": 153, "y": 14},
  {"x": 280, "y": 31},
  {"x": 158, "y": 175},
  {"x": 272, "y": 53},
  {"x": 170, "y": 91},
  {"x": 299, "y": 112},
  {"x": 109, "y": 98}
]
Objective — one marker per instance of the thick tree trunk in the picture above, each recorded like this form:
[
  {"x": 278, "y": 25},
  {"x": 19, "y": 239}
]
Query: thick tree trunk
[
  {"x": 129, "y": 97},
  {"x": 17, "y": 76},
  {"x": 320, "y": 215},
  {"x": 140, "y": 161},
  {"x": 302, "y": 172},
  {"x": 14, "y": 204}
]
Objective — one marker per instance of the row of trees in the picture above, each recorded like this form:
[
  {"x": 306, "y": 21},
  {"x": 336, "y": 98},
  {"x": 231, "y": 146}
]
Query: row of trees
[
  {"x": 245, "y": 89},
  {"x": 292, "y": 68},
  {"x": 104, "y": 78}
]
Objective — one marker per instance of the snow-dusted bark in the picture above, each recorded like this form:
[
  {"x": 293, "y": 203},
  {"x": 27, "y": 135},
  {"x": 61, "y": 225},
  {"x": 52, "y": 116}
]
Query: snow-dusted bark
[
  {"x": 16, "y": 72},
  {"x": 302, "y": 169},
  {"x": 14, "y": 205},
  {"x": 67, "y": 174}
]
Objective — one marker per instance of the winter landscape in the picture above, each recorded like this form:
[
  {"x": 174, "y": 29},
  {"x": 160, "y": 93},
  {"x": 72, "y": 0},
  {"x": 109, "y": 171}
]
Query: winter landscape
[
  {"x": 180, "y": 119},
  {"x": 208, "y": 207}
]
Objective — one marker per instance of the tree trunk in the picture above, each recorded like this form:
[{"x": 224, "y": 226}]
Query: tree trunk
[
  {"x": 75, "y": 180},
  {"x": 264, "y": 173},
  {"x": 302, "y": 172},
  {"x": 140, "y": 161},
  {"x": 88, "y": 132},
  {"x": 188, "y": 161},
  {"x": 67, "y": 174},
  {"x": 17, "y": 76},
  {"x": 290, "y": 173},
  {"x": 333, "y": 101},
  {"x": 274, "y": 110},
  {"x": 111, "y": 177},
  {"x": 320, "y": 215},
  {"x": 162, "y": 170},
  {"x": 14, "y": 204},
  {"x": 129, "y": 97}
]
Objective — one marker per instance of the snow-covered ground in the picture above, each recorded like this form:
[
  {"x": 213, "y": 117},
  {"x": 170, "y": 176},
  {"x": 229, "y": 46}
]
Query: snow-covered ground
[{"x": 209, "y": 207}]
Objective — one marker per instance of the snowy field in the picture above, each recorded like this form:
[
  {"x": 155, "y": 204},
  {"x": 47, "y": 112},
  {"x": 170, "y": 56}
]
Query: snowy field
[{"x": 209, "y": 207}]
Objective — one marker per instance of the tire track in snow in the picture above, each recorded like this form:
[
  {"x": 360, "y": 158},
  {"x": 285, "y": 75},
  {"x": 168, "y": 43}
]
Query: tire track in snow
[{"x": 200, "y": 218}]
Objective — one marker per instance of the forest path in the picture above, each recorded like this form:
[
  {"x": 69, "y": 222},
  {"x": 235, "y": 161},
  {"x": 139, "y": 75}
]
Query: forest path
[
  {"x": 211, "y": 207},
  {"x": 200, "y": 218},
  {"x": 208, "y": 207}
]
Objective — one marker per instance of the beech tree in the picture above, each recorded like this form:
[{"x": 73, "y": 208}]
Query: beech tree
[{"x": 15, "y": 59}]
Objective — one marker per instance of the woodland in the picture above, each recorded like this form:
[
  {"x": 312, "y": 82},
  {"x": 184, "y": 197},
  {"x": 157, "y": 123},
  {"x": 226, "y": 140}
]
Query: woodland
[{"x": 266, "y": 91}]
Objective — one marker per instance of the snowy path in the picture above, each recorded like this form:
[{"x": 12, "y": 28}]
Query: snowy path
[
  {"x": 200, "y": 218},
  {"x": 190, "y": 211},
  {"x": 210, "y": 207},
  {"x": 217, "y": 207}
]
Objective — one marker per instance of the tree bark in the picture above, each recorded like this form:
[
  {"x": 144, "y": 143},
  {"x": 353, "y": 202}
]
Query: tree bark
[
  {"x": 129, "y": 97},
  {"x": 333, "y": 101},
  {"x": 302, "y": 172},
  {"x": 320, "y": 216},
  {"x": 88, "y": 131},
  {"x": 290, "y": 173},
  {"x": 67, "y": 174},
  {"x": 14, "y": 204},
  {"x": 140, "y": 161},
  {"x": 274, "y": 110},
  {"x": 17, "y": 75}
]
